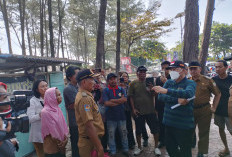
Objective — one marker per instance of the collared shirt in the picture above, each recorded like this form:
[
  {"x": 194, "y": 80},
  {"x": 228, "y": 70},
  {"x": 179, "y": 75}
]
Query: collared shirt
[
  {"x": 182, "y": 116},
  {"x": 205, "y": 86},
  {"x": 70, "y": 93},
  {"x": 33, "y": 112},
  {"x": 87, "y": 110},
  {"x": 114, "y": 113}
]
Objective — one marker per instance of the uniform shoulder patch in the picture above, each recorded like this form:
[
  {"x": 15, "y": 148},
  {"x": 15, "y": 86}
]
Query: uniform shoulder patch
[
  {"x": 87, "y": 107},
  {"x": 84, "y": 94}
]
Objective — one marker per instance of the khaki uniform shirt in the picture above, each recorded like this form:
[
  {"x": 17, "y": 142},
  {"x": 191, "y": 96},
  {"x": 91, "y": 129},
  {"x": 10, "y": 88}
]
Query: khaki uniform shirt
[
  {"x": 87, "y": 110},
  {"x": 205, "y": 86}
]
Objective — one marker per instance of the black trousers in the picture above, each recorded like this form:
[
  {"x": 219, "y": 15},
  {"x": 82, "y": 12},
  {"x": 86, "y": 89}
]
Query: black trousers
[
  {"x": 161, "y": 125},
  {"x": 104, "y": 139},
  {"x": 74, "y": 140},
  {"x": 130, "y": 134},
  {"x": 178, "y": 141}
]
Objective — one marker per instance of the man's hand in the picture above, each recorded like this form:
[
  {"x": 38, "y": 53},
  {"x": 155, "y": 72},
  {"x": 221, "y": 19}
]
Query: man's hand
[
  {"x": 182, "y": 101},
  {"x": 135, "y": 112},
  {"x": 159, "y": 89},
  {"x": 163, "y": 78}
]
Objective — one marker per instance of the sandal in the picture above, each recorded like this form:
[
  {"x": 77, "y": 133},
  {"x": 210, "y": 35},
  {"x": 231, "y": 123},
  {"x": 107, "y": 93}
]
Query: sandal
[{"x": 223, "y": 153}]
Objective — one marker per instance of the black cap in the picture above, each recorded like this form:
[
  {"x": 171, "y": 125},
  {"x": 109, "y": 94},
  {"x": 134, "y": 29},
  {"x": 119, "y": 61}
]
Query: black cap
[
  {"x": 110, "y": 75},
  {"x": 177, "y": 64},
  {"x": 141, "y": 68},
  {"x": 84, "y": 74},
  {"x": 194, "y": 64}
]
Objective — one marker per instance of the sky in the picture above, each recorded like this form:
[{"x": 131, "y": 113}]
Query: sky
[{"x": 168, "y": 9}]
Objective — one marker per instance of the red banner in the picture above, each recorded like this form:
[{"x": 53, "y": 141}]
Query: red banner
[{"x": 126, "y": 64}]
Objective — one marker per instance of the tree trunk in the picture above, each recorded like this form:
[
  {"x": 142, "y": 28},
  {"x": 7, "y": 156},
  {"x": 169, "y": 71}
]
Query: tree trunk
[
  {"x": 191, "y": 31},
  {"x": 45, "y": 27},
  {"x": 33, "y": 31},
  {"x": 51, "y": 28},
  {"x": 5, "y": 17},
  {"x": 69, "y": 55},
  {"x": 118, "y": 38},
  {"x": 86, "y": 45},
  {"x": 206, "y": 34},
  {"x": 41, "y": 7},
  {"x": 100, "y": 34},
  {"x": 28, "y": 38},
  {"x": 22, "y": 19},
  {"x": 60, "y": 27},
  {"x": 79, "y": 38}
]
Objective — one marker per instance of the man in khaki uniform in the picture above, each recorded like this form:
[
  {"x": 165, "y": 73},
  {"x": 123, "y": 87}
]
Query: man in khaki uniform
[
  {"x": 202, "y": 109},
  {"x": 88, "y": 117}
]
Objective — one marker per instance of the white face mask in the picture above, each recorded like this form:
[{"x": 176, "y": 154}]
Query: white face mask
[{"x": 174, "y": 75}]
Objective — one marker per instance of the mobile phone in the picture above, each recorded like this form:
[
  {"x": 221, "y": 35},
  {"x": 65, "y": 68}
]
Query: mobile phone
[
  {"x": 97, "y": 70},
  {"x": 121, "y": 80},
  {"x": 150, "y": 81}
]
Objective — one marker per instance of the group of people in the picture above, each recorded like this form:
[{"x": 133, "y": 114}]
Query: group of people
[{"x": 100, "y": 114}]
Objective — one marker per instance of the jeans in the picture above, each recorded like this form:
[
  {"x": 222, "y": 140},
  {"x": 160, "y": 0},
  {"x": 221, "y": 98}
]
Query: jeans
[
  {"x": 74, "y": 140},
  {"x": 178, "y": 141},
  {"x": 112, "y": 126}
]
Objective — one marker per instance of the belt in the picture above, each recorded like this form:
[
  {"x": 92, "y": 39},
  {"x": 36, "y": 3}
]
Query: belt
[{"x": 200, "y": 106}]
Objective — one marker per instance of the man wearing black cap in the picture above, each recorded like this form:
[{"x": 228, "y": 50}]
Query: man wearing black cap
[
  {"x": 179, "y": 122},
  {"x": 202, "y": 108},
  {"x": 142, "y": 104},
  {"x": 159, "y": 105},
  {"x": 88, "y": 117},
  {"x": 114, "y": 98}
]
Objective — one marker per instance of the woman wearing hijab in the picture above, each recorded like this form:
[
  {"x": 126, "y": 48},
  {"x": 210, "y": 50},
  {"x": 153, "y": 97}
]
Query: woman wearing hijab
[{"x": 54, "y": 128}]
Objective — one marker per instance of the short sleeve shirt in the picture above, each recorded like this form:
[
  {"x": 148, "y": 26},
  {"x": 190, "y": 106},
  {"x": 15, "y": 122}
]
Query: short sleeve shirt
[
  {"x": 114, "y": 113},
  {"x": 70, "y": 93},
  {"x": 205, "y": 86},
  {"x": 87, "y": 110},
  {"x": 143, "y": 99},
  {"x": 223, "y": 85}
]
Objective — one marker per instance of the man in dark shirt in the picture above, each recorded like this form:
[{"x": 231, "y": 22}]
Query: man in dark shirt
[
  {"x": 179, "y": 122},
  {"x": 223, "y": 81},
  {"x": 70, "y": 93},
  {"x": 159, "y": 105},
  {"x": 143, "y": 109},
  {"x": 114, "y": 98}
]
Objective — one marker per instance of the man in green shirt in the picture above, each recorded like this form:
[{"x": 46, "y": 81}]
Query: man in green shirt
[{"x": 142, "y": 104}]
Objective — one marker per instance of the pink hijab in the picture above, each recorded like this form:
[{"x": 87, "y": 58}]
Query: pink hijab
[{"x": 52, "y": 119}]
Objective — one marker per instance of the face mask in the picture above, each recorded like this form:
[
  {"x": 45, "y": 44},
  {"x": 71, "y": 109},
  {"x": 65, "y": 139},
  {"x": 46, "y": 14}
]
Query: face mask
[{"x": 174, "y": 75}]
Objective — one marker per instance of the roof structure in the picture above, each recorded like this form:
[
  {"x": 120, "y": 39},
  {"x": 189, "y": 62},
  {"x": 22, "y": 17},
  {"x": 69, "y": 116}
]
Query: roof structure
[{"x": 9, "y": 62}]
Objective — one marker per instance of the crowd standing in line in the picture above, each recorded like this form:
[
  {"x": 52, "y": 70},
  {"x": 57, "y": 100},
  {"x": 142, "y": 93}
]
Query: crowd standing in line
[{"x": 100, "y": 113}]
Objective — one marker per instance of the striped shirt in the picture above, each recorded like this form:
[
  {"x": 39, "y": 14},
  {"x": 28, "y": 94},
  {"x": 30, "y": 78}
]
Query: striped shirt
[{"x": 182, "y": 116}]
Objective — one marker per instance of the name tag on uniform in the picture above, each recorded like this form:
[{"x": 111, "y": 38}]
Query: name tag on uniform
[{"x": 87, "y": 107}]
